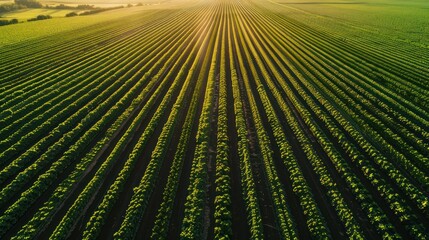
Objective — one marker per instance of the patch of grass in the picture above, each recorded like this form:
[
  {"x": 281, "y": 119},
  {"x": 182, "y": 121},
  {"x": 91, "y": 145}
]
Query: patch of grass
[
  {"x": 16, "y": 33},
  {"x": 24, "y": 14}
]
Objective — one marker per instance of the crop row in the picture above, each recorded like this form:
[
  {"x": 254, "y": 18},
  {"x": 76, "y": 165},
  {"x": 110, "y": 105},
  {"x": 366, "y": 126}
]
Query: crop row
[{"x": 49, "y": 207}]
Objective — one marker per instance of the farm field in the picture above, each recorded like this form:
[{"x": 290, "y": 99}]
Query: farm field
[
  {"x": 23, "y": 15},
  {"x": 217, "y": 119}
]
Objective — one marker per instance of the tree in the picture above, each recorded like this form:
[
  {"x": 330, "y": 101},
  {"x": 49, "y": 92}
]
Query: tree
[
  {"x": 71, "y": 14},
  {"x": 29, "y": 3}
]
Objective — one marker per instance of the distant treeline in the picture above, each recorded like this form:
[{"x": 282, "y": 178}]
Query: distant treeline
[
  {"x": 29, "y": 3},
  {"x": 98, "y": 10},
  {"x": 4, "y": 8},
  {"x": 7, "y": 22},
  {"x": 19, "y": 4},
  {"x": 39, "y": 17},
  {"x": 94, "y": 11},
  {"x": 81, "y": 7}
]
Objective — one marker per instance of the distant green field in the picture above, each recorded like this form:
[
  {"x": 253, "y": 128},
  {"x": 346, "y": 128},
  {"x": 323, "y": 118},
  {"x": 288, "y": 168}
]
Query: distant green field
[
  {"x": 24, "y": 14},
  {"x": 104, "y": 2},
  {"x": 406, "y": 21},
  {"x": 98, "y": 3},
  {"x": 12, "y": 34}
]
